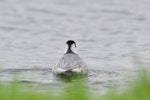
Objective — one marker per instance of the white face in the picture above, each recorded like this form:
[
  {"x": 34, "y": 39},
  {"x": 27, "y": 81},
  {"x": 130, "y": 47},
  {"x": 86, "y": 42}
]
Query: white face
[{"x": 73, "y": 48}]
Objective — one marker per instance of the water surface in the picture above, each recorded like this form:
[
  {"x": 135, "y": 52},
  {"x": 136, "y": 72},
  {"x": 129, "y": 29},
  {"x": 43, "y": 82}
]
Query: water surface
[{"x": 108, "y": 32}]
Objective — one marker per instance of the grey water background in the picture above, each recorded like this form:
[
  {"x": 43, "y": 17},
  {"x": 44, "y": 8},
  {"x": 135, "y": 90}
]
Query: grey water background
[{"x": 108, "y": 32}]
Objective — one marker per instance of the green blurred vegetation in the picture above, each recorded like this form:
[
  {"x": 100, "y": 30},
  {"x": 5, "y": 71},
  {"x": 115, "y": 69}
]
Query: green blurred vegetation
[{"x": 78, "y": 90}]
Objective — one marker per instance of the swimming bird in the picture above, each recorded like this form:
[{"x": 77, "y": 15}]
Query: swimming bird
[{"x": 70, "y": 62}]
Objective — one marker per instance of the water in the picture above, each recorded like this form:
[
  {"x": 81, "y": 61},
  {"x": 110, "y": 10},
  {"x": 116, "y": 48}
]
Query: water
[{"x": 108, "y": 33}]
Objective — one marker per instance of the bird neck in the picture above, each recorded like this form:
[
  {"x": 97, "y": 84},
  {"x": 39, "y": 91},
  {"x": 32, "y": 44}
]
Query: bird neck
[{"x": 69, "y": 50}]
